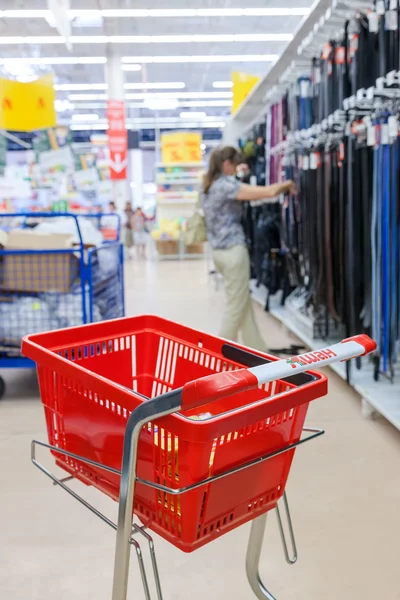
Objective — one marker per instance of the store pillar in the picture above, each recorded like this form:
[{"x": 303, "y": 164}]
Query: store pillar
[{"x": 114, "y": 76}]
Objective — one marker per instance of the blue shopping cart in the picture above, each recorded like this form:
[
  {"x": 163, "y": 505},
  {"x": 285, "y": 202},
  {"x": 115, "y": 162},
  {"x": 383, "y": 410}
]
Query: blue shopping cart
[{"x": 52, "y": 284}]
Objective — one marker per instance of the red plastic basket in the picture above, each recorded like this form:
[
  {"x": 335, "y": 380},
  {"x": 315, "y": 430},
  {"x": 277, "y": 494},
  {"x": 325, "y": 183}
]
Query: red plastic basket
[{"x": 92, "y": 377}]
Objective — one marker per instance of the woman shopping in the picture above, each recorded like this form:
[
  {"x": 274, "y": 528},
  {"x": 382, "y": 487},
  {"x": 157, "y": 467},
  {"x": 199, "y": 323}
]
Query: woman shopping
[{"x": 222, "y": 198}]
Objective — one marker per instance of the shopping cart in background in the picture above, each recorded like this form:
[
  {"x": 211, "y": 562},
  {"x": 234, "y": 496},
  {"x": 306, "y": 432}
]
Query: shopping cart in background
[
  {"x": 60, "y": 286},
  {"x": 192, "y": 434}
]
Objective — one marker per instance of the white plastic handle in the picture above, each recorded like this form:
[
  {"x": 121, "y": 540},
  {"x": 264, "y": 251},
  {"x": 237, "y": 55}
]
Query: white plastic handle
[
  {"x": 213, "y": 387},
  {"x": 351, "y": 348}
]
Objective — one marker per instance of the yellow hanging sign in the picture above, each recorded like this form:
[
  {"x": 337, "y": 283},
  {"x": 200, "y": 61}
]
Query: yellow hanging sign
[
  {"x": 243, "y": 83},
  {"x": 181, "y": 148},
  {"x": 27, "y": 106}
]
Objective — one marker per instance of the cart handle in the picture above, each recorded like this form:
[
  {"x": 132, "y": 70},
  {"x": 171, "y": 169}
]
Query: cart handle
[{"x": 213, "y": 387}]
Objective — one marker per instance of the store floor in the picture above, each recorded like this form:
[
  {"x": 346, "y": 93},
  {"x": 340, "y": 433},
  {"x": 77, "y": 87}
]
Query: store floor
[{"x": 344, "y": 492}]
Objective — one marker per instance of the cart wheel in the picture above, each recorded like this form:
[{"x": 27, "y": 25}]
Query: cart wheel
[{"x": 2, "y": 387}]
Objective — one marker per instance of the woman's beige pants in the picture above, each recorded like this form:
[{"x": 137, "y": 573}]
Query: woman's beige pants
[{"x": 234, "y": 266}]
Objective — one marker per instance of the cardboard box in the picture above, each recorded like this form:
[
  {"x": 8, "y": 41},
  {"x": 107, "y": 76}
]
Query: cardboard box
[
  {"x": 36, "y": 272},
  {"x": 167, "y": 247}
]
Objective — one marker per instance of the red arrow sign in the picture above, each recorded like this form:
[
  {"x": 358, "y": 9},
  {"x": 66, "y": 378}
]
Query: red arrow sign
[{"x": 117, "y": 139}]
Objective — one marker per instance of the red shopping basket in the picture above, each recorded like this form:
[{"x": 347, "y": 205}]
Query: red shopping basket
[{"x": 91, "y": 379}]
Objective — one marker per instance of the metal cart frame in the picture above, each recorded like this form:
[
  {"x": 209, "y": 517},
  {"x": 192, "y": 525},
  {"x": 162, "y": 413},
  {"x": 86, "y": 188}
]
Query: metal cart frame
[
  {"x": 167, "y": 404},
  {"x": 86, "y": 259}
]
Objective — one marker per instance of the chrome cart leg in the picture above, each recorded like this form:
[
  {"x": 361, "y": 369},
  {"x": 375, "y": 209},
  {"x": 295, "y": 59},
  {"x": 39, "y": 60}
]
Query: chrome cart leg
[
  {"x": 253, "y": 558},
  {"x": 291, "y": 560},
  {"x": 143, "y": 414},
  {"x": 255, "y": 545}
]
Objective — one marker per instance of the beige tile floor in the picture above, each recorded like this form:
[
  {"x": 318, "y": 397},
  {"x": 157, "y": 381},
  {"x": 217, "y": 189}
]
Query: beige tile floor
[{"x": 344, "y": 491}]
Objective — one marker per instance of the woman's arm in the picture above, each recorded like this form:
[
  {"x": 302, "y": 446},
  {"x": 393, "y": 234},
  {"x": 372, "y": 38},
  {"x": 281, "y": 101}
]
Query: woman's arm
[{"x": 259, "y": 192}]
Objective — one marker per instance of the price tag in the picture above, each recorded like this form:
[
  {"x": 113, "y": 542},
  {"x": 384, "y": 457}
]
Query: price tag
[
  {"x": 384, "y": 134},
  {"x": 371, "y": 135},
  {"x": 391, "y": 20},
  {"x": 306, "y": 163},
  {"x": 373, "y": 22},
  {"x": 380, "y": 7},
  {"x": 360, "y": 94},
  {"x": 393, "y": 127},
  {"x": 370, "y": 93},
  {"x": 313, "y": 161}
]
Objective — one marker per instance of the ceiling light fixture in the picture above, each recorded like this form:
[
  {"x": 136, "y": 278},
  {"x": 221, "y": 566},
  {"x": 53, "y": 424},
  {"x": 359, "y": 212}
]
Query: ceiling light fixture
[
  {"x": 154, "y": 95},
  {"x": 193, "y": 115},
  {"x": 178, "y": 95},
  {"x": 57, "y": 60},
  {"x": 87, "y": 87},
  {"x": 79, "y": 87},
  {"x": 172, "y": 85},
  {"x": 163, "y": 101},
  {"x": 31, "y": 39},
  {"x": 161, "y": 13},
  {"x": 161, "y": 104},
  {"x": 63, "y": 105},
  {"x": 84, "y": 118},
  {"x": 208, "y": 58},
  {"x": 75, "y": 97},
  {"x": 83, "y": 127},
  {"x": 222, "y": 84},
  {"x": 132, "y": 68},
  {"x": 148, "y": 39}
]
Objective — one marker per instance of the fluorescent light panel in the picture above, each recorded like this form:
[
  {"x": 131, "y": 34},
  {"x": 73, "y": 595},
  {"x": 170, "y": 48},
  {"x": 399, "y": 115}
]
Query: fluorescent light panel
[
  {"x": 132, "y": 68},
  {"x": 208, "y": 58},
  {"x": 85, "y": 117},
  {"x": 222, "y": 84},
  {"x": 56, "y": 60},
  {"x": 101, "y": 60},
  {"x": 148, "y": 39},
  {"x": 182, "y": 104},
  {"x": 174, "y": 125},
  {"x": 193, "y": 115},
  {"x": 161, "y": 13},
  {"x": 154, "y": 96},
  {"x": 86, "y": 87}
]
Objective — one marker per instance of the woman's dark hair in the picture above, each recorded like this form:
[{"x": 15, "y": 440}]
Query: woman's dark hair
[{"x": 215, "y": 166}]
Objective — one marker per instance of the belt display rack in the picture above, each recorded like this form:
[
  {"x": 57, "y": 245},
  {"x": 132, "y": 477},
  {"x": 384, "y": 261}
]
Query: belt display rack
[{"x": 338, "y": 107}]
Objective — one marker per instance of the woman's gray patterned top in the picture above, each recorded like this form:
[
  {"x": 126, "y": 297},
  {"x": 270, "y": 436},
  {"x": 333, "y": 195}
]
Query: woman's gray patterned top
[{"x": 223, "y": 213}]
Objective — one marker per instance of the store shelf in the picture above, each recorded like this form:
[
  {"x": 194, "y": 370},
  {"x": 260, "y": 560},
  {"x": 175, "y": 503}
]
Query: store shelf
[
  {"x": 196, "y": 181},
  {"x": 168, "y": 200},
  {"x": 382, "y": 396},
  {"x": 255, "y": 106},
  {"x": 179, "y": 165}
]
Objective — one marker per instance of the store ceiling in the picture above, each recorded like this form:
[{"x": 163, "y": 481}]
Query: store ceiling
[{"x": 24, "y": 39}]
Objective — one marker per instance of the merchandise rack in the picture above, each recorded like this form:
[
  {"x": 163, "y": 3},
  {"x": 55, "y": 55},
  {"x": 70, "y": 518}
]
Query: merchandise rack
[
  {"x": 377, "y": 398},
  {"x": 176, "y": 203},
  {"x": 325, "y": 20},
  {"x": 252, "y": 408},
  {"x": 58, "y": 277}
]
